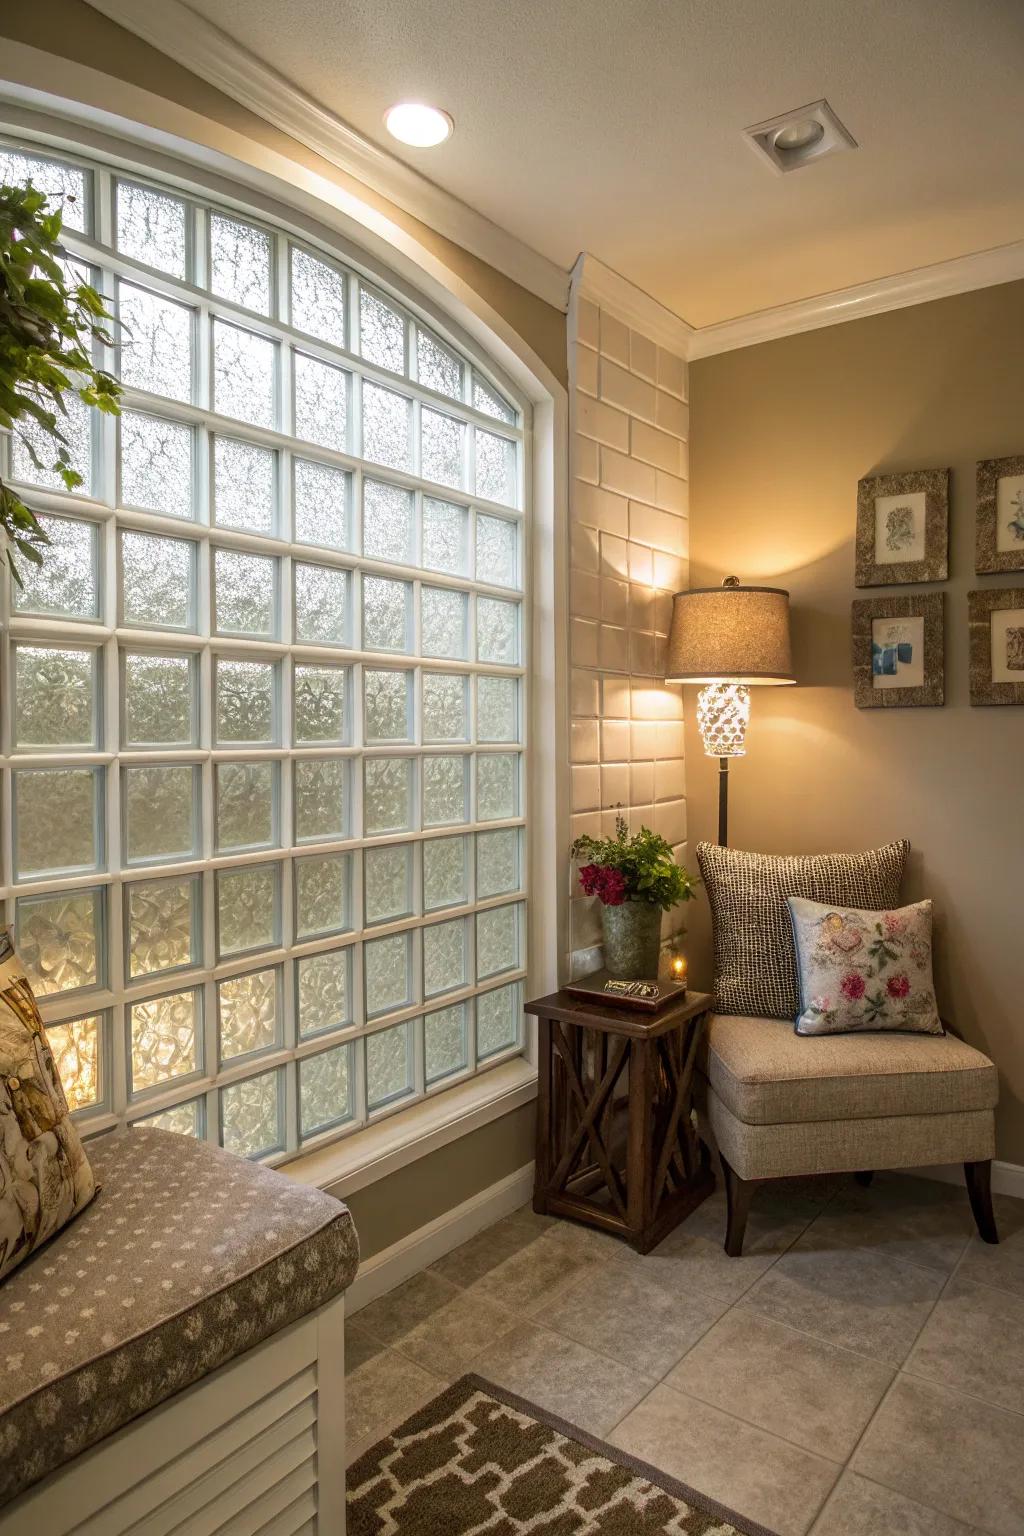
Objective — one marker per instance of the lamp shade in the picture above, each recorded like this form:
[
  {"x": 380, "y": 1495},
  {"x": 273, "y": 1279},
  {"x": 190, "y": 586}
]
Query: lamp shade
[{"x": 730, "y": 634}]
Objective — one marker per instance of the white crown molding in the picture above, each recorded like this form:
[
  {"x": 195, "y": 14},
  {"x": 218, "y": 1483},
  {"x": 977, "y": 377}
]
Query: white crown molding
[
  {"x": 195, "y": 43},
  {"x": 610, "y": 291},
  {"x": 962, "y": 274}
]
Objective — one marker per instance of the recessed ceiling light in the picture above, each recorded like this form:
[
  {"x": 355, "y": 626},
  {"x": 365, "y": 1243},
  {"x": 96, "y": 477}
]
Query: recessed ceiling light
[
  {"x": 796, "y": 138},
  {"x": 414, "y": 123}
]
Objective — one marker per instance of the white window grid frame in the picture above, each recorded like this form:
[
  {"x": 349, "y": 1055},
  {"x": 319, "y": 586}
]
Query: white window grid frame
[{"x": 110, "y": 638}]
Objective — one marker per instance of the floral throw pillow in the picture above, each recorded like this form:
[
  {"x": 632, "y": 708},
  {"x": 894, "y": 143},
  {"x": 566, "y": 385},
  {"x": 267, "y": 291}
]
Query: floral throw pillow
[{"x": 864, "y": 971}]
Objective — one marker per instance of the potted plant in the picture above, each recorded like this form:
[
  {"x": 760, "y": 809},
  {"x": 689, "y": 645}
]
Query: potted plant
[
  {"x": 635, "y": 879},
  {"x": 49, "y": 320}
]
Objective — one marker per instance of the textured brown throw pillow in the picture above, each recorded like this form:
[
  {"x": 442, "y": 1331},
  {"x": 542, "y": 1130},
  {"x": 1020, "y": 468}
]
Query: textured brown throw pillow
[
  {"x": 755, "y": 960},
  {"x": 45, "y": 1177}
]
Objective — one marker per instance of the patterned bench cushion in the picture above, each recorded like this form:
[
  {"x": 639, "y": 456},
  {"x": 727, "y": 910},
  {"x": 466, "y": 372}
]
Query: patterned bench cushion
[{"x": 186, "y": 1258}]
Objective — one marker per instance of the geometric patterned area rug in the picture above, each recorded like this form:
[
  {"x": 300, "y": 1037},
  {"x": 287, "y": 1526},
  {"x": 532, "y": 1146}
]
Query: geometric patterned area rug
[{"x": 478, "y": 1461}]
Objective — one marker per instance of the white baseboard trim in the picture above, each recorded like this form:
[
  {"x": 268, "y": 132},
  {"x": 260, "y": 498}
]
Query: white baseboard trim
[
  {"x": 384, "y": 1270},
  {"x": 1007, "y": 1178}
]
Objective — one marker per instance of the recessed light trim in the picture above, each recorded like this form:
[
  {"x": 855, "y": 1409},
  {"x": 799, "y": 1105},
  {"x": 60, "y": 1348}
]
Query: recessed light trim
[
  {"x": 417, "y": 124},
  {"x": 794, "y": 139}
]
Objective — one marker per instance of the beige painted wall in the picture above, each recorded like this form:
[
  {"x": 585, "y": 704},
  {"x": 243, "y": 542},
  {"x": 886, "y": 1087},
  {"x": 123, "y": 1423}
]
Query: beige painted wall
[{"x": 781, "y": 434}]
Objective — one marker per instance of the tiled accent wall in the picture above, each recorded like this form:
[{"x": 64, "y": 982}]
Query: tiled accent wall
[{"x": 629, "y": 544}]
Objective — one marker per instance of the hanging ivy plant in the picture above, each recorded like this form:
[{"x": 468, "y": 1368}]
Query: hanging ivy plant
[{"x": 48, "y": 322}]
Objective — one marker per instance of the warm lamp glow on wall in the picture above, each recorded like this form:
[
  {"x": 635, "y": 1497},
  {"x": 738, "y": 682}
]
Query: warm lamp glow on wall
[{"x": 729, "y": 638}]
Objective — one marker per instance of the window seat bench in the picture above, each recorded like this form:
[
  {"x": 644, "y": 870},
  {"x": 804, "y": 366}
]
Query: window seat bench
[{"x": 173, "y": 1359}]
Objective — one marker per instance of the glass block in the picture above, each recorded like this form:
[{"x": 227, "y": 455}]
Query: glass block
[
  {"x": 319, "y": 696},
  {"x": 443, "y": 617},
  {"x": 444, "y": 957},
  {"x": 246, "y": 709},
  {"x": 387, "y": 883},
  {"x": 445, "y": 706},
  {"x": 31, "y": 437},
  {"x": 442, "y": 448},
  {"x": 497, "y": 549},
  {"x": 247, "y": 1013},
  {"x": 318, "y": 297},
  {"x": 497, "y": 941},
  {"x": 387, "y": 795},
  {"x": 183, "y": 1119},
  {"x": 497, "y": 1020},
  {"x": 325, "y": 1090},
  {"x": 444, "y": 536},
  {"x": 165, "y": 1039},
  {"x": 387, "y": 698},
  {"x": 497, "y": 631},
  {"x": 497, "y": 786},
  {"x": 387, "y": 966},
  {"x": 495, "y": 468},
  {"x": 151, "y": 228},
  {"x": 248, "y": 907},
  {"x": 445, "y": 1042},
  {"x": 246, "y": 805},
  {"x": 64, "y": 185},
  {"x": 321, "y": 604},
  {"x": 386, "y": 422},
  {"x": 444, "y": 873},
  {"x": 381, "y": 333},
  {"x": 321, "y": 497},
  {"x": 240, "y": 263},
  {"x": 245, "y": 594},
  {"x": 387, "y": 522},
  {"x": 54, "y": 697},
  {"x": 76, "y": 1054},
  {"x": 437, "y": 367},
  {"x": 388, "y": 1065},
  {"x": 324, "y": 991},
  {"x": 158, "y": 581},
  {"x": 244, "y": 485},
  {"x": 244, "y": 375},
  {"x": 250, "y": 1115},
  {"x": 497, "y": 709},
  {"x": 163, "y": 923},
  {"x": 322, "y": 894},
  {"x": 160, "y": 806},
  {"x": 387, "y": 609},
  {"x": 497, "y": 863},
  {"x": 59, "y": 940},
  {"x": 156, "y": 464},
  {"x": 491, "y": 403},
  {"x": 444, "y": 790},
  {"x": 321, "y": 402},
  {"x": 57, "y": 820},
  {"x": 159, "y": 700},
  {"x": 155, "y": 341},
  {"x": 321, "y": 798},
  {"x": 67, "y": 584}
]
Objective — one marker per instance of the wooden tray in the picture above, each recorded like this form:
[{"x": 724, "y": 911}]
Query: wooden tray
[{"x": 592, "y": 989}]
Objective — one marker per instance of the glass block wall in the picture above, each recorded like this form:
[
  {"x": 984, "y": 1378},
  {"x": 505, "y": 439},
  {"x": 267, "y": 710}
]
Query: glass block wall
[{"x": 263, "y": 707}]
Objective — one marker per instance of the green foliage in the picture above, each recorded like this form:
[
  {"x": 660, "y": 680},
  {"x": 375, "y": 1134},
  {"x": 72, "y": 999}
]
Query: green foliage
[
  {"x": 48, "y": 323},
  {"x": 645, "y": 863}
]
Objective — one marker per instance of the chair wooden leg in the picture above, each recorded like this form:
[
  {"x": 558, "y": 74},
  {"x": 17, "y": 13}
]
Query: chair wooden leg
[
  {"x": 738, "y": 1195},
  {"x": 979, "y": 1188},
  {"x": 864, "y": 1178}
]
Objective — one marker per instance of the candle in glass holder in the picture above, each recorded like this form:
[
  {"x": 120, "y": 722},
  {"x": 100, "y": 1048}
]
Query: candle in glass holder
[{"x": 679, "y": 968}]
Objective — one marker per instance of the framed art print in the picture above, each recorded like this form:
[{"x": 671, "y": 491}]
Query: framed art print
[
  {"x": 999, "y": 518},
  {"x": 899, "y": 651},
  {"x": 996, "y": 619},
  {"x": 903, "y": 528}
]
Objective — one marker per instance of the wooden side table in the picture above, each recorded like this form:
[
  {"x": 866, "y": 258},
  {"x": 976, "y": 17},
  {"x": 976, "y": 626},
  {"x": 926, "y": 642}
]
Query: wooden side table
[{"x": 616, "y": 1144}]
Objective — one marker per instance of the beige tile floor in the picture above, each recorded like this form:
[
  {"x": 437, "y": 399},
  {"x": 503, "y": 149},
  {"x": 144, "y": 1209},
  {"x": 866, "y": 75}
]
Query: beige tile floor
[{"x": 858, "y": 1372}]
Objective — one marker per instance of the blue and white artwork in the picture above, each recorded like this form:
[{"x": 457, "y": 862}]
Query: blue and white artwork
[
  {"x": 1009, "y": 513},
  {"x": 897, "y": 653}
]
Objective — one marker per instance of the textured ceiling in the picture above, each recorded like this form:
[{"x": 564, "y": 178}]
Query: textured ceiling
[{"x": 614, "y": 126}]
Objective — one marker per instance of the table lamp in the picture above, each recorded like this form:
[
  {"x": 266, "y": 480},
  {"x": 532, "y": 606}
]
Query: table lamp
[{"x": 729, "y": 638}]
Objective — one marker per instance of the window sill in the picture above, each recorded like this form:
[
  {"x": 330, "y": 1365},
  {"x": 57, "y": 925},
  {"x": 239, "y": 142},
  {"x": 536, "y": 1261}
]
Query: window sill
[{"x": 371, "y": 1154}]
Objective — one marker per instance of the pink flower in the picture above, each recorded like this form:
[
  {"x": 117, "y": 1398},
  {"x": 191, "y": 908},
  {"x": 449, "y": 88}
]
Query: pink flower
[
  {"x": 608, "y": 885},
  {"x": 895, "y": 925},
  {"x": 898, "y": 985},
  {"x": 852, "y": 986}
]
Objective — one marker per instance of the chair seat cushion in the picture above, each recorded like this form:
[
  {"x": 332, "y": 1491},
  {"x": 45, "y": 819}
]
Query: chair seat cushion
[
  {"x": 186, "y": 1258},
  {"x": 767, "y": 1075}
]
